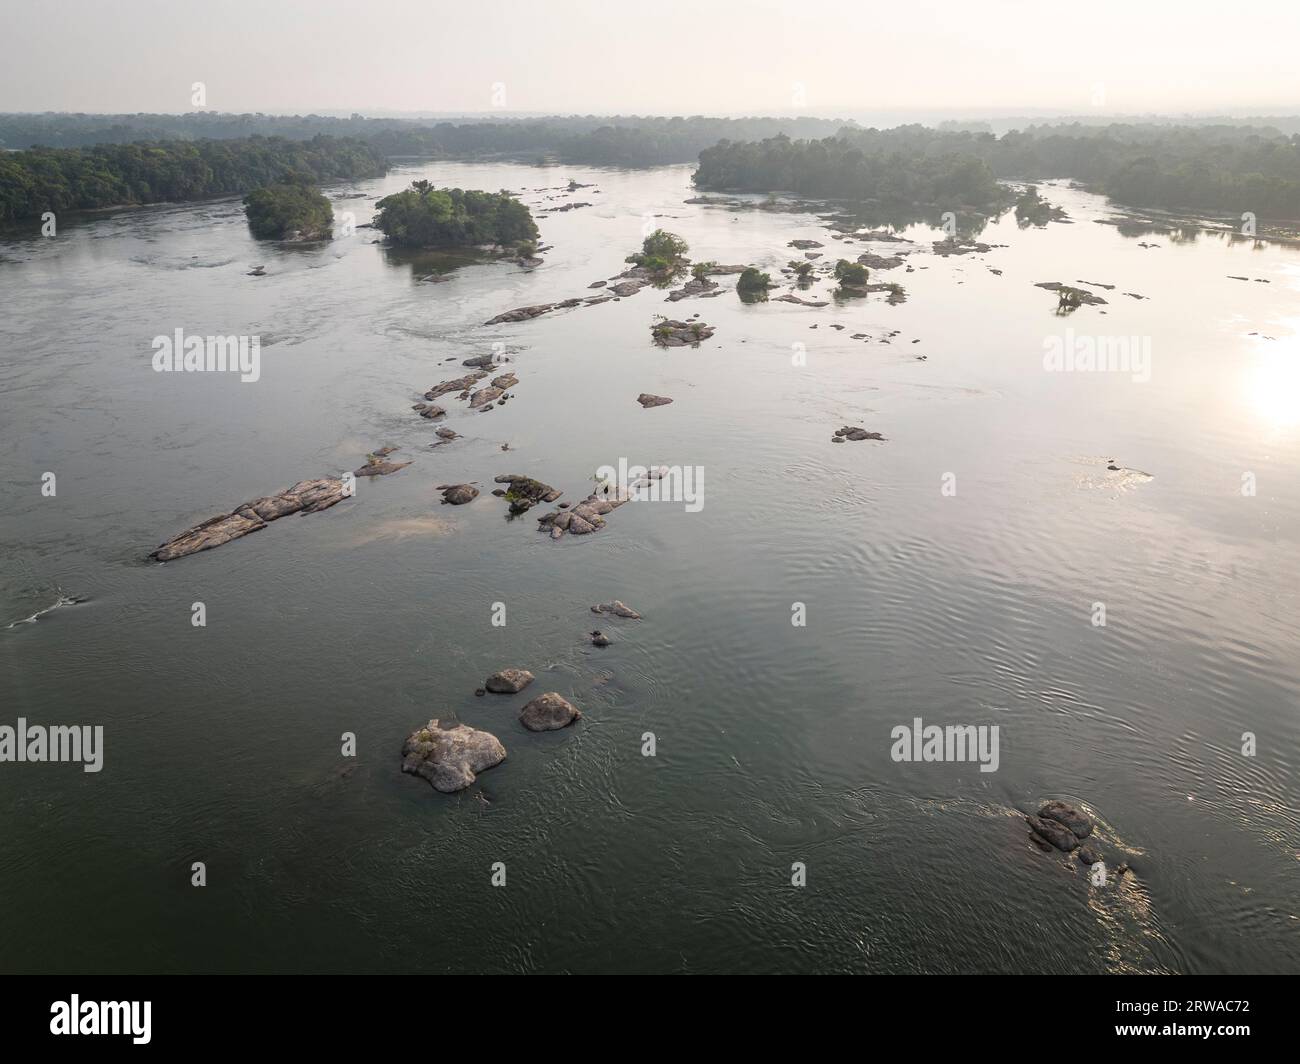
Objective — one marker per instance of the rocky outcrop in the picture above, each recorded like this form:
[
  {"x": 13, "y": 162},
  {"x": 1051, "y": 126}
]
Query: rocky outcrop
[
  {"x": 460, "y": 384},
  {"x": 586, "y": 517},
  {"x": 524, "y": 493},
  {"x": 1059, "y": 824},
  {"x": 647, "y": 400},
  {"x": 305, "y": 497},
  {"x": 429, "y": 410},
  {"x": 669, "y": 333},
  {"x": 549, "y": 712},
  {"x": 618, "y": 609},
  {"x": 458, "y": 494},
  {"x": 506, "y": 380},
  {"x": 379, "y": 466},
  {"x": 804, "y": 245},
  {"x": 485, "y": 397},
  {"x": 1063, "y": 813},
  {"x": 1069, "y": 297},
  {"x": 790, "y": 297},
  {"x": 508, "y": 681},
  {"x": 521, "y": 314},
  {"x": 696, "y": 286},
  {"x": 450, "y": 755},
  {"x": 849, "y": 432},
  {"x": 881, "y": 262}
]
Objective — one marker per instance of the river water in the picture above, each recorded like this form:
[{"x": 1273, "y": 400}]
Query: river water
[{"x": 951, "y": 573}]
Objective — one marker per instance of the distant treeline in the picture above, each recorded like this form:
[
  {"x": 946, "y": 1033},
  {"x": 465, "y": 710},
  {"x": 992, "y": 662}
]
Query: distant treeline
[
  {"x": 1206, "y": 168},
  {"x": 56, "y": 179},
  {"x": 621, "y": 140}
]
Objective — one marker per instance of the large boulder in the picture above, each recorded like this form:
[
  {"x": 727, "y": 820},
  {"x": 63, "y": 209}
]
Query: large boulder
[
  {"x": 1053, "y": 832},
  {"x": 508, "y": 681},
  {"x": 450, "y": 755},
  {"x": 1064, "y": 813},
  {"x": 458, "y": 494},
  {"x": 549, "y": 712}
]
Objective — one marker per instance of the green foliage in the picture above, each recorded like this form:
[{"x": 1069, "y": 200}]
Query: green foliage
[
  {"x": 293, "y": 207},
  {"x": 62, "y": 179},
  {"x": 753, "y": 280},
  {"x": 661, "y": 252},
  {"x": 423, "y": 216},
  {"x": 802, "y": 268},
  {"x": 701, "y": 270},
  {"x": 851, "y": 274}
]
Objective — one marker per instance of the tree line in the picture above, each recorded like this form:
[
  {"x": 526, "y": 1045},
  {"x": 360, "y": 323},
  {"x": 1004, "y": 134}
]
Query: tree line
[{"x": 109, "y": 175}]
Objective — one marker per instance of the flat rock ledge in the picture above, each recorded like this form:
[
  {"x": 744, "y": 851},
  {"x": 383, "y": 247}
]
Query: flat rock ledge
[
  {"x": 549, "y": 712},
  {"x": 508, "y": 681},
  {"x": 647, "y": 400},
  {"x": 450, "y": 755},
  {"x": 618, "y": 609},
  {"x": 305, "y": 497}
]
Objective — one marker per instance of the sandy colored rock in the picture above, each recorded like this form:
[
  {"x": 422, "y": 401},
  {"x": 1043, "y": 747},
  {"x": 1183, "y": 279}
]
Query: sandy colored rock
[
  {"x": 508, "y": 681},
  {"x": 548, "y": 712},
  {"x": 450, "y": 755}
]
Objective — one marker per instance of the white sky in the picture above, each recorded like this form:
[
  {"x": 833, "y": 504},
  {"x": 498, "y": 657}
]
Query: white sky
[{"x": 849, "y": 57}]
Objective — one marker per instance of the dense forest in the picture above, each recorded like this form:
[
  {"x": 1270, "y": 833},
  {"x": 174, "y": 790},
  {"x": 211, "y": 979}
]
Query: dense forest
[
  {"x": 910, "y": 164},
  {"x": 620, "y": 140},
  {"x": 423, "y": 216},
  {"x": 56, "y": 179},
  {"x": 1207, "y": 168},
  {"x": 291, "y": 209}
]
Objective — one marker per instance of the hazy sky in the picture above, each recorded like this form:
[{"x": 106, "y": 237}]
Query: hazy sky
[{"x": 837, "y": 57}]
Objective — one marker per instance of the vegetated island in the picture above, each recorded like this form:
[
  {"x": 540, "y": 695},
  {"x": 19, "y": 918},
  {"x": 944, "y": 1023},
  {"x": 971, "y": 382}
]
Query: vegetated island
[
  {"x": 117, "y": 175},
  {"x": 424, "y": 216},
  {"x": 291, "y": 209}
]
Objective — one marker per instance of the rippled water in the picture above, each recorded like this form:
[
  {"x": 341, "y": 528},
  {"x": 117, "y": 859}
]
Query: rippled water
[{"x": 222, "y": 743}]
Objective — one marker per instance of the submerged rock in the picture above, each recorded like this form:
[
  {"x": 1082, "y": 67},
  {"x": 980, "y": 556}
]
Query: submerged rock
[
  {"x": 550, "y": 712},
  {"x": 618, "y": 609},
  {"x": 378, "y": 466},
  {"x": 599, "y": 639},
  {"x": 803, "y": 245},
  {"x": 647, "y": 400},
  {"x": 450, "y": 755},
  {"x": 508, "y": 681},
  {"x": 429, "y": 410},
  {"x": 1070, "y": 297},
  {"x": 790, "y": 297},
  {"x": 458, "y": 494}
]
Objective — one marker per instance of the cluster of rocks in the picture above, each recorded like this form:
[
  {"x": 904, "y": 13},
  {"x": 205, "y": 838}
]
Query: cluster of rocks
[
  {"x": 305, "y": 497},
  {"x": 482, "y": 399},
  {"x": 586, "y": 517},
  {"x": 1070, "y": 297},
  {"x": 696, "y": 286},
  {"x": 670, "y": 333},
  {"x": 848, "y": 432},
  {"x": 450, "y": 754},
  {"x": 1061, "y": 826},
  {"x": 523, "y": 493}
]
